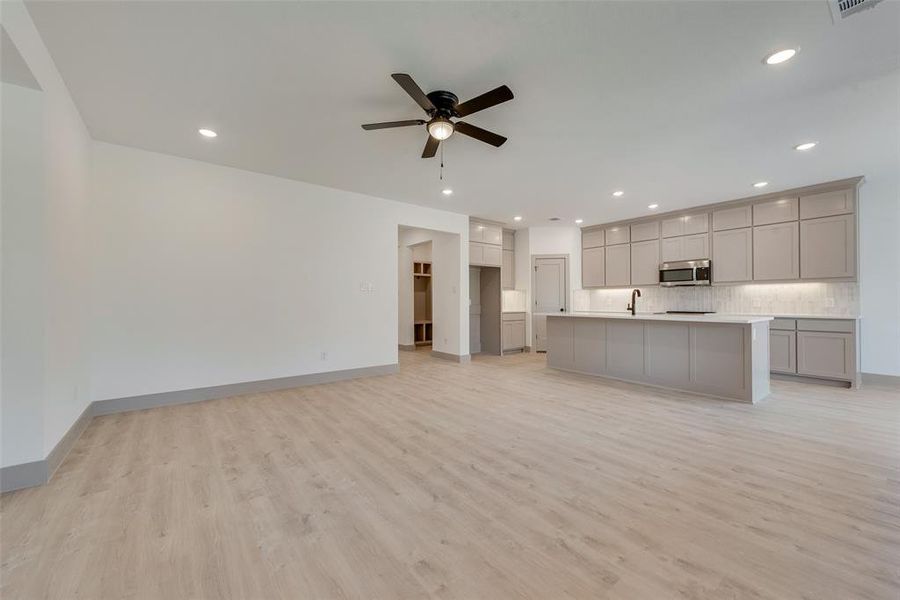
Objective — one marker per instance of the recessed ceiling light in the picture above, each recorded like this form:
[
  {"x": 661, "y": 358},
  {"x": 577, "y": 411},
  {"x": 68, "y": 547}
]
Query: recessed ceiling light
[
  {"x": 517, "y": 218},
  {"x": 781, "y": 56},
  {"x": 447, "y": 192},
  {"x": 618, "y": 193},
  {"x": 579, "y": 221},
  {"x": 653, "y": 206},
  {"x": 207, "y": 133},
  {"x": 805, "y": 146},
  {"x": 759, "y": 184}
]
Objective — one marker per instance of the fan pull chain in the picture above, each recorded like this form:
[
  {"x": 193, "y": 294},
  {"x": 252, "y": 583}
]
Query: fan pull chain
[{"x": 442, "y": 162}]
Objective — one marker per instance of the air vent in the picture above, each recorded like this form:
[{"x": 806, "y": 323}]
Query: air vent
[
  {"x": 554, "y": 218},
  {"x": 841, "y": 9}
]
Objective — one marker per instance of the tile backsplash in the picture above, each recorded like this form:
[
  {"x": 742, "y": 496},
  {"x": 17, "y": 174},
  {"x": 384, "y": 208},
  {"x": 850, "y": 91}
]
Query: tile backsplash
[{"x": 834, "y": 299}]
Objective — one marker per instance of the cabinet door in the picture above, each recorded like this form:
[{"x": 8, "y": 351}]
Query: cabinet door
[
  {"x": 617, "y": 235},
  {"x": 672, "y": 249},
  {"x": 828, "y": 247},
  {"x": 775, "y": 211},
  {"x": 825, "y": 354},
  {"x": 732, "y": 258},
  {"x": 696, "y": 224},
  {"x": 732, "y": 218},
  {"x": 513, "y": 335},
  {"x": 492, "y": 255},
  {"x": 827, "y": 204},
  {"x": 493, "y": 235},
  {"x": 508, "y": 342},
  {"x": 476, "y": 253},
  {"x": 695, "y": 246},
  {"x": 645, "y": 263},
  {"x": 593, "y": 267},
  {"x": 618, "y": 265},
  {"x": 508, "y": 270},
  {"x": 645, "y": 231},
  {"x": 776, "y": 252},
  {"x": 592, "y": 239},
  {"x": 782, "y": 351},
  {"x": 476, "y": 232},
  {"x": 673, "y": 227}
]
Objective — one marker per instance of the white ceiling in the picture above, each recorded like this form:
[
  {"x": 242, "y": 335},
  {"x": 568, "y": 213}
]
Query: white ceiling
[{"x": 668, "y": 100}]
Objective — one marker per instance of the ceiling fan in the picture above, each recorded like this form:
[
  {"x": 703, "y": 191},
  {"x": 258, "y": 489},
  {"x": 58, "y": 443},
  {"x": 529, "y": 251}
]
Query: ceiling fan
[{"x": 441, "y": 106}]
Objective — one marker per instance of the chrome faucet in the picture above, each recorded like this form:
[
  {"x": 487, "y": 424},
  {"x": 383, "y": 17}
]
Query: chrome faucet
[{"x": 635, "y": 294}]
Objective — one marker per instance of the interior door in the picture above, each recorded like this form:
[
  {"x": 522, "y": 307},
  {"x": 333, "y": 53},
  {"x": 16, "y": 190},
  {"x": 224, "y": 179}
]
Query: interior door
[
  {"x": 474, "y": 310},
  {"x": 549, "y": 296}
]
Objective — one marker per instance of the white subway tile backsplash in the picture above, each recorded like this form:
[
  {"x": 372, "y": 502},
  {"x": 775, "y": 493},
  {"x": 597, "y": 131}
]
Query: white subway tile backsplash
[{"x": 827, "y": 299}]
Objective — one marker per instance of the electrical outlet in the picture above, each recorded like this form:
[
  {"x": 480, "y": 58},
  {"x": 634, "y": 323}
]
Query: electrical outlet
[{"x": 324, "y": 356}]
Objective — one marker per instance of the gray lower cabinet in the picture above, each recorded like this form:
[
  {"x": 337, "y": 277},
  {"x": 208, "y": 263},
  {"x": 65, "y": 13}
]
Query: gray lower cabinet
[
  {"x": 776, "y": 251},
  {"x": 782, "y": 351},
  {"x": 828, "y": 247},
  {"x": 645, "y": 263},
  {"x": 593, "y": 267},
  {"x": 618, "y": 265},
  {"x": 732, "y": 255},
  {"x": 508, "y": 270},
  {"x": 825, "y": 354},
  {"x": 513, "y": 331}
]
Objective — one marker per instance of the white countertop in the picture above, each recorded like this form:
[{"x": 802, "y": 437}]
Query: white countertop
[{"x": 710, "y": 318}]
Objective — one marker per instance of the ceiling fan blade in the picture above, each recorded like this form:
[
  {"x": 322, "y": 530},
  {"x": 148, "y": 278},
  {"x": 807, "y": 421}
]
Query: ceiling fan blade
[
  {"x": 478, "y": 133},
  {"x": 431, "y": 146},
  {"x": 413, "y": 89},
  {"x": 488, "y": 99},
  {"x": 388, "y": 124}
]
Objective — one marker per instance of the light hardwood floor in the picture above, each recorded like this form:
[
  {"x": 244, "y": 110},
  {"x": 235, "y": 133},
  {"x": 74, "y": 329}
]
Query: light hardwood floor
[{"x": 498, "y": 479}]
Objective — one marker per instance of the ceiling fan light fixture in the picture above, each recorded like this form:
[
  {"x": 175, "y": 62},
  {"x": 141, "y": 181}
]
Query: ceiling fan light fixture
[{"x": 440, "y": 128}]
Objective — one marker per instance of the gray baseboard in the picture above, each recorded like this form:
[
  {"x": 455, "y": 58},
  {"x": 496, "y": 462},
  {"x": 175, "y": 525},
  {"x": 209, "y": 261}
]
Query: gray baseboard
[
  {"x": 16, "y": 477},
  {"x": 117, "y": 405},
  {"x": 39, "y": 472},
  {"x": 459, "y": 358},
  {"x": 407, "y": 347},
  {"x": 879, "y": 379},
  {"x": 65, "y": 445}
]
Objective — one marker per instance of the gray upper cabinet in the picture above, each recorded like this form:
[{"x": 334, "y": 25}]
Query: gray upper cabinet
[
  {"x": 592, "y": 239},
  {"x": 617, "y": 235},
  {"x": 493, "y": 235},
  {"x": 645, "y": 231},
  {"x": 840, "y": 202},
  {"x": 828, "y": 247},
  {"x": 509, "y": 239},
  {"x": 732, "y": 256},
  {"x": 618, "y": 265},
  {"x": 732, "y": 218},
  {"x": 775, "y": 211},
  {"x": 696, "y": 223},
  {"x": 593, "y": 267},
  {"x": 645, "y": 263},
  {"x": 685, "y": 247},
  {"x": 685, "y": 225},
  {"x": 807, "y": 234},
  {"x": 508, "y": 270},
  {"x": 476, "y": 232},
  {"x": 776, "y": 252}
]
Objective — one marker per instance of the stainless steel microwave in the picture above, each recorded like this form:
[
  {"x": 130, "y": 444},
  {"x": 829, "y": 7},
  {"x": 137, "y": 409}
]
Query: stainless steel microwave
[{"x": 685, "y": 272}]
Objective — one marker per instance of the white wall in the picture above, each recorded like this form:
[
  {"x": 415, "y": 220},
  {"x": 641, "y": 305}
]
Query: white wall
[
  {"x": 207, "y": 275},
  {"x": 58, "y": 240},
  {"x": 879, "y": 276}
]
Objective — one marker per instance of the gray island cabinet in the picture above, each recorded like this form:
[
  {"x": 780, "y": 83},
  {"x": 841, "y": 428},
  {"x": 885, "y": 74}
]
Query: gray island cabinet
[{"x": 720, "y": 356}]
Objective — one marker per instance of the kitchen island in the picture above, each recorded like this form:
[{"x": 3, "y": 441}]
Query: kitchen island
[{"x": 725, "y": 356}]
